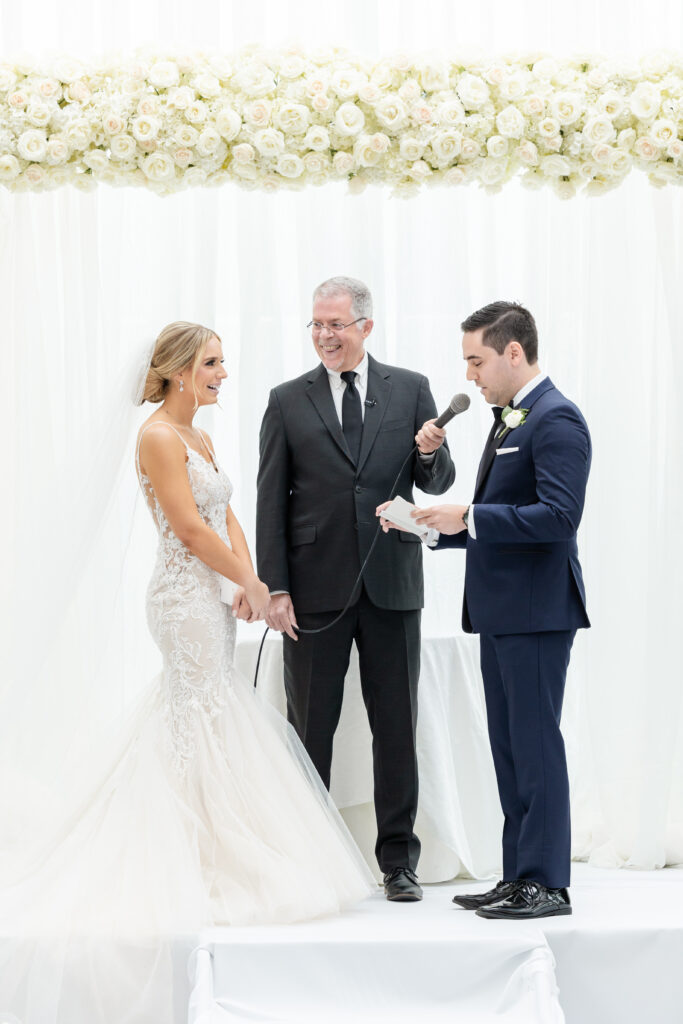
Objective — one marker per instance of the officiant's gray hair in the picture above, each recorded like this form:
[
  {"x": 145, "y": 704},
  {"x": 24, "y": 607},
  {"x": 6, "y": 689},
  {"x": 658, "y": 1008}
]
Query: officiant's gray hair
[{"x": 361, "y": 299}]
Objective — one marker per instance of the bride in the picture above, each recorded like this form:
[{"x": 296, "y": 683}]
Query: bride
[{"x": 210, "y": 812}]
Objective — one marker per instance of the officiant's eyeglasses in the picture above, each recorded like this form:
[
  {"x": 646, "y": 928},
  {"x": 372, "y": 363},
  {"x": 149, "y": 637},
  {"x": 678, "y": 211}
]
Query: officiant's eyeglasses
[{"x": 335, "y": 327}]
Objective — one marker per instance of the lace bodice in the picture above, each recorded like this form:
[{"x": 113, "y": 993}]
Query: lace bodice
[{"x": 191, "y": 625}]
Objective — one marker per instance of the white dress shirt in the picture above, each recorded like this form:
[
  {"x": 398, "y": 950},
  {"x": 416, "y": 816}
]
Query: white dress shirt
[
  {"x": 432, "y": 537},
  {"x": 338, "y": 386}
]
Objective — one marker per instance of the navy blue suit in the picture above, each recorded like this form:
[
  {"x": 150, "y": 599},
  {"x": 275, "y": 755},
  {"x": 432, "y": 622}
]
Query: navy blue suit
[{"x": 524, "y": 595}]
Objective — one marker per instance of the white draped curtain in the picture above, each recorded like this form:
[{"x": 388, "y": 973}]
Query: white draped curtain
[{"x": 86, "y": 278}]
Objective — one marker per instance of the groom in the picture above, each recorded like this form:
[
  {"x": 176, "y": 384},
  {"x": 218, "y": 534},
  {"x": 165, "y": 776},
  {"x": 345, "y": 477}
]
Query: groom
[{"x": 524, "y": 595}]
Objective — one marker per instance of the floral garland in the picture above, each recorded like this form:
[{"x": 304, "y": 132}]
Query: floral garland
[{"x": 273, "y": 119}]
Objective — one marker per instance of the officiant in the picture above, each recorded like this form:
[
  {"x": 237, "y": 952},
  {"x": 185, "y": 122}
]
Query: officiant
[{"x": 331, "y": 444}]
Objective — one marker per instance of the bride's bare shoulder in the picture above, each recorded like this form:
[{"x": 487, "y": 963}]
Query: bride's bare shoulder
[{"x": 158, "y": 438}]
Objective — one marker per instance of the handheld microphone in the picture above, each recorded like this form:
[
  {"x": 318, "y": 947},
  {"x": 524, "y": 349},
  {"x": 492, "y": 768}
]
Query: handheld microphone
[{"x": 458, "y": 403}]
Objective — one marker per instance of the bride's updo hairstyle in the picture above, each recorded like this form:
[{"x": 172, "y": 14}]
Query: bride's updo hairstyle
[{"x": 180, "y": 346}]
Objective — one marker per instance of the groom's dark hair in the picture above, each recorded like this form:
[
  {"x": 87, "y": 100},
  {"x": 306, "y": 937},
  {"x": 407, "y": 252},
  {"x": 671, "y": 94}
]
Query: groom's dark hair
[{"x": 504, "y": 322}]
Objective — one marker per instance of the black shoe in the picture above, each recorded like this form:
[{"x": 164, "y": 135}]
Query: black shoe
[
  {"x": 401, "y": 885},
  {"x": 484, "y": 899},
  {"x": 530, "y": 900}
]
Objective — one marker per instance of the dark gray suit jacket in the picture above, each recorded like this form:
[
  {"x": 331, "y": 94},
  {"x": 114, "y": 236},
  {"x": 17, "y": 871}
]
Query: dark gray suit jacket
[{"x": 315, "y": 516}]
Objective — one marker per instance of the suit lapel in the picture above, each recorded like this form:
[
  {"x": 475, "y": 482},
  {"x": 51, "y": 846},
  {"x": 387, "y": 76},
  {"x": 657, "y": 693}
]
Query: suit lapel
[
  {"x": 318, "y": 390},
  {"x": 485, "y": 466},
  {"x": 379, "y": 390}
]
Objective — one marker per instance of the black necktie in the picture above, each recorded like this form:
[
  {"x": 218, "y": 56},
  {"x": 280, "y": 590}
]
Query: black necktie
[
  {"x": 352, "y": 416},
  {"x": 490, "y": 446}
]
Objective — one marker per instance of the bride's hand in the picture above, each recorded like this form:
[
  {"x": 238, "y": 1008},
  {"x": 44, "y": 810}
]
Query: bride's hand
[
  {"x": 258, "y": 597},
  {"x": 241, "y": 608}
]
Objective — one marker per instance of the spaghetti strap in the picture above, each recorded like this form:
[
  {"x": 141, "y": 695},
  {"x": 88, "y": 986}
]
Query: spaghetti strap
[{"x": 144, "y": 430}]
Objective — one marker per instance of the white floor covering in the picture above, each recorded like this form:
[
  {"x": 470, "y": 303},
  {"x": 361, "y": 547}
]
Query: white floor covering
[{"x": 617, "y": 960}]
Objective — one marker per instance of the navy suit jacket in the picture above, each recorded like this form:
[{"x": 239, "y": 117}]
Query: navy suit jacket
[{"x": 522, "y": 572}]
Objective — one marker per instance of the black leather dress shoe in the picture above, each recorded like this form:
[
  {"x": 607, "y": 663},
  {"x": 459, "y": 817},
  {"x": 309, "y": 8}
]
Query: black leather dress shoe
[
  {"x": 529, "y": 900},
  {"x": 401, "y": 885},
  {"x": 483, "y": 899}
]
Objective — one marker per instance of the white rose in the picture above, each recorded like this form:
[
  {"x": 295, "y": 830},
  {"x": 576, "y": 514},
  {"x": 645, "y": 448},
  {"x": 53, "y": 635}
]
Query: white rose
[
  {"x": 315, "y": 86},
  {"x": 317, "y": 163},
  {"x": 620, "y": 162},
  {"x": 78, "y": 134},
  {"x": 380, "y": 142},
  {"x": 269, "y": 142},
  {"x": 65, "y": 69},
  {"x": 38, "y": 114},
  {"x": 410, "y": 148},
  {"x": 113, "y": 124},
  {"x": 35, "y": 174},
  {"x": 419, "y": 171},
  {"x": 186, "y": 136},
  {"x": 421, "y": 113},
  {"x": 148, "y": 106},
  {"x": 564, "y": 189},
  {"x": 317, "y": 137},
  {"x": 391, "y": 113},
  {"x": 18, "y": 99},
  {"x": 556, "y": 166},
  {"x": 534, "y": 105},
  {"x": 450, "y": 113},
  {"x": 472, "y": 90},
  {"x": 182, "y": 157},
  {"x": 289, "y": 165},
  {"x": 510, "y": 122},
  {"x": 497, "y": 146},
  {"x": 48, "y": 89},
  {"x": 675, "y": 149},
  {"x": 566, "y": 107},
  {"x": 255, "y": 79},
  {"x": 454, "y": 176},
  {"x": 343, "y": 163},
  {"x": 122, "y": 147},
  {"x": 512, "y": 88},
  {"x": 599, "y": 129},
  {"x": 656, "y": 63},
  {"x": 164, "y": 74},
  {"x": 369, "y": 93},
  {"x": 434, "y": 76},
  {"x": 293, "y": 118},
  {"x": 602, "y": 153},
  {"x": 349, "y": 119},
  {"x": 77, "y": 92},
  {"x": 513, "y": 418},
  {"x": 197, "y": 112},
  {"x": 663, "y": 131},
  {"x": 527, "y": 153},
  {"x": 9, "y": 167},
  {"x": 221, "y": 67},
  {"x": 364, "y": 153},
  {"x": 58, "y": 151},
  {"x": 8, "y": 79},
  {"x": 611, "y": 103},
  {"x": 291, "y": 66},
  {"x": 548, "y": 127},
  {"x": 596, "y": 78},
  {"x": 32, "y": 145},
  {"x": 181, "y": 98},
  {"x": 228, "y": 123},
  {"x": 206, "y": 85},
  {"x": 243, "y": 153},
  {"x": 645, "y": 148},
  {"x": 545, "y": 69},
  {"x": 447, "y": 145},
  {"x": 208, "y": 142},
  {"x": 626, "y": 138},
  {"x": 645, "y": 101},
  {"x": 321, "y": 103},
  {"x": 469, "y": 149},
  {"x": 158, "y": 167},
  {"x": 195, "y": 176},
  {"x": 383, "y": 76},
  {"x": 347, "y": 82},
  {"x": 410, "y": 91},
  {"x": 492, "y": 172},
  {"x": 96, "y": 160},
  {"x": 145, "y": 128},
  {"x": 402, "y": 61},
  {"x": 495, "y": 74}
]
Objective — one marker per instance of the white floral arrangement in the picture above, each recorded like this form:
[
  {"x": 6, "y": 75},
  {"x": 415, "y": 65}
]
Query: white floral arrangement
[{"x": 291, "y": 118}]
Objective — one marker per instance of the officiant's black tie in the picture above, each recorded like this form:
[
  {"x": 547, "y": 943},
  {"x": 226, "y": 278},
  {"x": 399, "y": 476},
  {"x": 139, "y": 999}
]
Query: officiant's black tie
[
  {"x": 488, "y": 454},
  {"x": 352, "y": 416}
]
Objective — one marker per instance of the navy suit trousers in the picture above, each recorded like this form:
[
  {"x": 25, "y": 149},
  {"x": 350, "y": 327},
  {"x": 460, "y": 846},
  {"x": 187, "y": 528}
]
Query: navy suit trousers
[{"x": 524, "y": 677}]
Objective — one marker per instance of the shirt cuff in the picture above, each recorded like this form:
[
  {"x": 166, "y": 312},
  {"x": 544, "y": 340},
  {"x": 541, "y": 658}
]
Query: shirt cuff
[
  {"x": 274, "y": 593},
  {"x": 431, "y": 537},
  {"x": 471, "y": 529},
  {"x": 427, "y": 459}
]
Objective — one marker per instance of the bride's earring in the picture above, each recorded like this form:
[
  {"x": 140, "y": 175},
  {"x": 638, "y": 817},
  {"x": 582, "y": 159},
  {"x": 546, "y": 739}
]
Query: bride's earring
[{"x": 181, "y": 386}]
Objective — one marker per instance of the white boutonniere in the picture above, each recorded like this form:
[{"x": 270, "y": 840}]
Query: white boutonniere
[{"x": 512, "y": 418}]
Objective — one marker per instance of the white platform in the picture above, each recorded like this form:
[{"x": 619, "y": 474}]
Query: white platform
[{"x": 617, "y": 960}]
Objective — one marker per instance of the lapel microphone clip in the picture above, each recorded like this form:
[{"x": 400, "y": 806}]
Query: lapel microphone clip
[{"x": 370, "y": 402}]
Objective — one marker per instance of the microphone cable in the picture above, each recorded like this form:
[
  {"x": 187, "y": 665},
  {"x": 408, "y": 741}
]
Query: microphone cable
[{"x": 342, "y": 613}]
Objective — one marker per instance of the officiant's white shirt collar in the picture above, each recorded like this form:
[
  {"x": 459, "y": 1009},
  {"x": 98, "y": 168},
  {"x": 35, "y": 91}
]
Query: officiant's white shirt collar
[
  {"x": 527, "y": 389},
  {"x": 361, "y": 370}
]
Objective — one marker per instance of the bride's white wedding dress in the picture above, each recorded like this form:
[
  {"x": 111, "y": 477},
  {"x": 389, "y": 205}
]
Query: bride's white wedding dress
[{"x": 209, "y": 813}]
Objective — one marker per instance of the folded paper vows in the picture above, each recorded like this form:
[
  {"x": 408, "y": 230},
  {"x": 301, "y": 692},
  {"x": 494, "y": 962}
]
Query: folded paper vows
[
  {"x": 398, "y": 513},
  {"x": 228, "y": 589}
]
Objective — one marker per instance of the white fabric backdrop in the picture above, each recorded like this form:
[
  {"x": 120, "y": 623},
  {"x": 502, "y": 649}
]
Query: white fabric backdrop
[{"x": 85, "y": 278}]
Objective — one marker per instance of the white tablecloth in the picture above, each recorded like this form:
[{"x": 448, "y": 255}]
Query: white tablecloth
[{"x": 459, "y": 820}]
